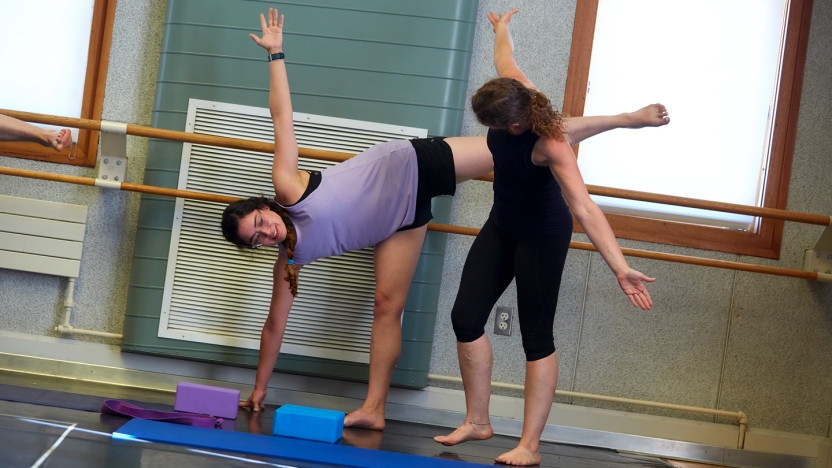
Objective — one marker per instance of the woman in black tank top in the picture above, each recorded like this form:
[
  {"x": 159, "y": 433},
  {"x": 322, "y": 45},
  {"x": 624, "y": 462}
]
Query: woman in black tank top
[{"x": 537, "y": 190}]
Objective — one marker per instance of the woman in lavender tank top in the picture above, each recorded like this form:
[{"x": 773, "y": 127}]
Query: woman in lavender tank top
[{"x": 302, "y": 223}]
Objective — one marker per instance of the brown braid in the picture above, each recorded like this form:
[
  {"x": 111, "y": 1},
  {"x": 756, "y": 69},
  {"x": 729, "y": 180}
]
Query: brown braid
[
  {"x": 503, "y": 102},
  {"x": 230, "y": 226},
  {"x": 289, "y": 245}
]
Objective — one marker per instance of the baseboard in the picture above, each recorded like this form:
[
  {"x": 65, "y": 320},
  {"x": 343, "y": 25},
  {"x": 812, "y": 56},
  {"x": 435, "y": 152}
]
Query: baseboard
[{"x": 639, "y": 433}]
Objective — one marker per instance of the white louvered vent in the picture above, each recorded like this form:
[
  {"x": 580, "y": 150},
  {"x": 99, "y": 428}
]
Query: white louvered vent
[{"x": 215, "y": 293}]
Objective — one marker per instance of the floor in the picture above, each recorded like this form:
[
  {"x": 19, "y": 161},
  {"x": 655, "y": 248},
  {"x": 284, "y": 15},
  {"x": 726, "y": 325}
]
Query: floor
[{"x": 36, "y": 411}]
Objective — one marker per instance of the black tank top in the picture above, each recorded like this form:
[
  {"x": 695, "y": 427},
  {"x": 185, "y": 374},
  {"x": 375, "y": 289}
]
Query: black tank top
[{"x": 527, "y": 199}]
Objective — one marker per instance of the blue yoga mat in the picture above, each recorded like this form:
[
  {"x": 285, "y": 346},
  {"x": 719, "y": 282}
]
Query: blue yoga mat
[{"x": 272, "y": 446}]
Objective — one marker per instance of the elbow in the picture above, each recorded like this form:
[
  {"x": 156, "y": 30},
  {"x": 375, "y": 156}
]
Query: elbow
[{"x": 585, "y": 212}]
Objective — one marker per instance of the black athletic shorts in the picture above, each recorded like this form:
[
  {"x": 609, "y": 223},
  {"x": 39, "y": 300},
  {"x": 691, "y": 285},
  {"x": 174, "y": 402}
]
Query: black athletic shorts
[{"x": 437, "y": 176}]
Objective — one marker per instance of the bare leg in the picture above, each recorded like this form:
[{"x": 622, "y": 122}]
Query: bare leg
[
  {"x": 579, "y": 129},
  {"x": 472, "y": 158},
  {"x": 475, "y": 361},
  {"x": 16, "y": 130},
  {"x": 541, "y": 381},
  {"x": 395, "y": 262}
]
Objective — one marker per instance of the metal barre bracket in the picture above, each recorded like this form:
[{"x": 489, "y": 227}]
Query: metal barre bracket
[
  {"x": 113, "y": 166},
  {"x": 819, "y": 259}
]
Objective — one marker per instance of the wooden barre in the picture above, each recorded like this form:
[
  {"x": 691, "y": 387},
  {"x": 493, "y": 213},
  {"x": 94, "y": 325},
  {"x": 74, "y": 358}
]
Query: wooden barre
[
  {"x": 335, "y": 156},
  {"x": 169, "y": 192}
]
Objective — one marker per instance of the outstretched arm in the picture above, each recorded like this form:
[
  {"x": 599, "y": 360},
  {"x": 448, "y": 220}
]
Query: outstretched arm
[
  {"x": 272, "y": 336},
  {"x": 287, "y": 180},
  {"x": 16, "y": 130},
  {"x": 564, "y": 167},
  {"x": 504, "y": 48}
]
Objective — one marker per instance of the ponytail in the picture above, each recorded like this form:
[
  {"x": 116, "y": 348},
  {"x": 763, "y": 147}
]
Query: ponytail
[
  {"x": 543, "y": 119},
  {"x": 289, "y": 245}
]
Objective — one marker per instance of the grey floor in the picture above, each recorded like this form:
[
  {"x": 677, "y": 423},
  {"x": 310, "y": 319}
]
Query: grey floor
[{"x": 36, "y": 411}]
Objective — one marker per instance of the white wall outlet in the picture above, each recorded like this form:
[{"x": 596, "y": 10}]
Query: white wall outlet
[{"x": 502, "y": 322}]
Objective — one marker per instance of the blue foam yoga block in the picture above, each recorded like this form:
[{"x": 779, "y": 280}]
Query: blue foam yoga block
[{"x": 303, "y": 422}]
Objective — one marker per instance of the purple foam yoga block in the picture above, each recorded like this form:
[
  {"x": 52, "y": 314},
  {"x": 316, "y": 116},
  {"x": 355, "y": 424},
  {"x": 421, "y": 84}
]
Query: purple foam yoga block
[
  {"x": 204, "y": 399},
  {"x": 302, "y": 422}
]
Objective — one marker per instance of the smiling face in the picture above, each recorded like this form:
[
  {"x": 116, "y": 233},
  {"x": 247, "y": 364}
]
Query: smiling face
[{"x": 262, "y": 227}]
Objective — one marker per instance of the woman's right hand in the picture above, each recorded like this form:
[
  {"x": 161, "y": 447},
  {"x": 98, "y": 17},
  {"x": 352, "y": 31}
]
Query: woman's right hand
[
  {"x": 502, "y": 18},
  {"x": 255, "y": 401},
  {"x": 272, "y": 39}
]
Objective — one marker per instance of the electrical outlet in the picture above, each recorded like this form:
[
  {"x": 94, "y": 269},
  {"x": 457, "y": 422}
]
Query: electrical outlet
[{"x": 502, "y": 321}]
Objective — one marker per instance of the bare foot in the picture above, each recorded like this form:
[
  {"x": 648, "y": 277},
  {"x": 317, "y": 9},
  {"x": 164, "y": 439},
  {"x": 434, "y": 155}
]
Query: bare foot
[
  {"x": 654, "y": 115},
  {"x": 59, "y": 140},
  {"x": 519, "y": 456},
  {"x": 466, "y": 432},
  {"x": 365, "y": 418}
]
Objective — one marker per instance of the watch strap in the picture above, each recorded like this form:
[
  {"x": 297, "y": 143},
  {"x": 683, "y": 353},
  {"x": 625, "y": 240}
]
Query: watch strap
[{"x": 277, "y": 56}]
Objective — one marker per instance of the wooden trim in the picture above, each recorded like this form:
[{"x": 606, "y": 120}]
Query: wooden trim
[
  {"x": 98, "y": 57},
  {"x": 577, "y": 75},
  {"x": 766, "y": 241}
]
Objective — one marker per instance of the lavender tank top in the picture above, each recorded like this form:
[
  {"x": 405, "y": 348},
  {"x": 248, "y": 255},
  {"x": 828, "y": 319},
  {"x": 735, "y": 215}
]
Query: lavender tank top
[{"x": 359, "y": 203}]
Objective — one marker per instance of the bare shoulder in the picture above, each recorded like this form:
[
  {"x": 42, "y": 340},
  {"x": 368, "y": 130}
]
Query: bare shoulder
[{"x": 550, "y": 150}]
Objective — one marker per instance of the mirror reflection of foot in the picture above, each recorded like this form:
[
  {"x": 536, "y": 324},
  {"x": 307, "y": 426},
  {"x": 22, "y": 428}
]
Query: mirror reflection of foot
[
  {"x": 254, "y": 421},
  {"x": 362, "y": 438},
  {"x": 449, "y": 456}
]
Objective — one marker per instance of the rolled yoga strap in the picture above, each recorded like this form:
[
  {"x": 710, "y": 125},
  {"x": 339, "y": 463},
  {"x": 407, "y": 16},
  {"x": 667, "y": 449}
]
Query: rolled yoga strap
[{"x": 120, "y": 408}]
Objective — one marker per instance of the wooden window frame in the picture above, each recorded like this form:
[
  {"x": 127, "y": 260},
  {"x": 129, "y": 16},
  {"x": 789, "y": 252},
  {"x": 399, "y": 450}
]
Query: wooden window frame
[
  {"x": 98, "y": 57},
  {"x": 766, "y": 241}
]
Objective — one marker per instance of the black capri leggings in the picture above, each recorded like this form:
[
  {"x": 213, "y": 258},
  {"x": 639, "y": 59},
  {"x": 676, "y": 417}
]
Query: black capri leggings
[{"x": 494, "y": 260}]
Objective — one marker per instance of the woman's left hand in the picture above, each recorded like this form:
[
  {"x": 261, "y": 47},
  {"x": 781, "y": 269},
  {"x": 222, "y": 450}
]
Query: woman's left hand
[
  {"x": 272, "y": 39},
  {"x": 501, "y": 18},
  {"x": 632, "y": 283}
]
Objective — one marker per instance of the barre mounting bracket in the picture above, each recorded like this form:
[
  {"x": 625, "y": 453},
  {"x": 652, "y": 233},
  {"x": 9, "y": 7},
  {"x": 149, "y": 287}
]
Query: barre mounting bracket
[
  {"x": 819, "y": 259},
  {"x": 113, "y": 166}
]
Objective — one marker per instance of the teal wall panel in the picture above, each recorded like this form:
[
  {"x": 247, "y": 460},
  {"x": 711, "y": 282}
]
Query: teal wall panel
[{"x": 398, "y": 62}]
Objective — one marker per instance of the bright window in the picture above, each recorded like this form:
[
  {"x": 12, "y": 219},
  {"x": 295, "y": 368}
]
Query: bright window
[
  {"x": 715, "y": 65},
  {"x": 730, "y": 73},
  {"x": 54, "y": 56},
  {"x": 45, "y": 56}
]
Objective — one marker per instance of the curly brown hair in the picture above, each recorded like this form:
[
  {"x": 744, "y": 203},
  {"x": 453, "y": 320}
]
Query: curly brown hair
[
  {"x": 230, "y": 225},
  {"x": 502, "y": 102}
]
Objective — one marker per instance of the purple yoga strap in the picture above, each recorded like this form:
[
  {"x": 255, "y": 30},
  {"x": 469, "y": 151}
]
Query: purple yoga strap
[{"x": 120, "y": 408}]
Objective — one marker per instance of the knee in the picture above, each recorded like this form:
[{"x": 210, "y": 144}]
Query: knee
[
  {"x": 386, "y": 306},
  {"x": 465, "y": 330}
]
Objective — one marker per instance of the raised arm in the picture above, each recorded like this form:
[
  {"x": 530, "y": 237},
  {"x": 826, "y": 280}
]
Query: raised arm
[
  {"x": 564, "y": 166},
  {"x": 272, "y": 336},
  {"x": 288, "y": 184},
  {"x": 15, "y": 130},
  {"x": 504, "y": 48}
]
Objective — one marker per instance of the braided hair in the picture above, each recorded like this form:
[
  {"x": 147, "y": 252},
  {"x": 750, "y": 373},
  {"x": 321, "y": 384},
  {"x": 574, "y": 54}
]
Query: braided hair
[
  {"x": 231, "y": 225},
  {"x": 502, "y": 102}
]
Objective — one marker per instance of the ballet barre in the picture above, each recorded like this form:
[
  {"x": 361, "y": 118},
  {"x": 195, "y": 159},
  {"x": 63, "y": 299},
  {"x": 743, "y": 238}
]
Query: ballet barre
[
  {"x": 816, "y": 262},
  {"x": 210, "y": 197}
]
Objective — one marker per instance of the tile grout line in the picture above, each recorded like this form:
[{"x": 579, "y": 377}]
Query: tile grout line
[
  {"x": 727, "y": 339},
  {"x": 581, "y": 325}
]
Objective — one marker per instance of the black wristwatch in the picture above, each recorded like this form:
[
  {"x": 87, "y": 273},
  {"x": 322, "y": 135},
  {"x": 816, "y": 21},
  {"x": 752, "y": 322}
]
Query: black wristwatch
[{"x": 277, "y": 56}]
